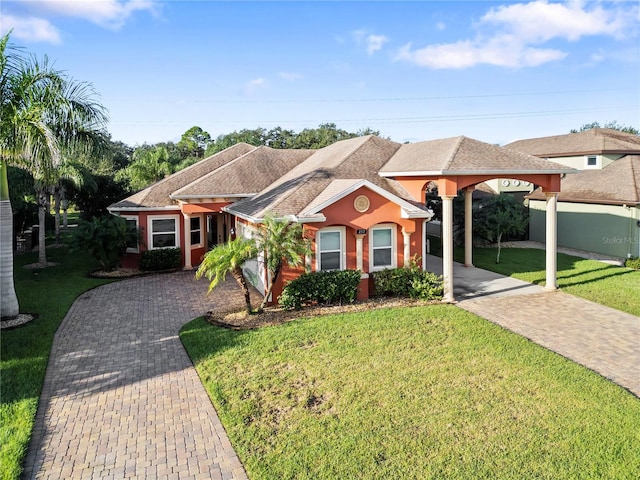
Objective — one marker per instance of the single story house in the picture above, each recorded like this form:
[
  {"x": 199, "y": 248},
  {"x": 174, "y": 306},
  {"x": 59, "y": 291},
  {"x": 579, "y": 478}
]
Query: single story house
[
  {"x": 599, "y": 207},
  {"x": 361, "y": 201}
]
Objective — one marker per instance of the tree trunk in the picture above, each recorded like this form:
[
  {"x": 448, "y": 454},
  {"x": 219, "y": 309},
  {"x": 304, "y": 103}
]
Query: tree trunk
[
  {"x": 239, "y": 276},
  {"x": 499, "y": 247},
  {"x": 9, "y": 307},
  {"x": 42, "y": 210},
  {"x": 56, "y": 209},
  {"x": 267, "y": 294}
]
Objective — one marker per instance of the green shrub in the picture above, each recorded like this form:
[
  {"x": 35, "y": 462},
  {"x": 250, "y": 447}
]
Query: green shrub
[
  {"x": 106, "y": 238},
  {"x": 410, "y": 282},
  {"x": 632, "y": 263},
  {"x": 161, "y": 259},
  {"x": 324, "y": 288}
]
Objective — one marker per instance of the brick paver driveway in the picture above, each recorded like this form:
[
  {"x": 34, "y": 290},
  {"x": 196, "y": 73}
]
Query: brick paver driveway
[{"x": 121, "y": 398}]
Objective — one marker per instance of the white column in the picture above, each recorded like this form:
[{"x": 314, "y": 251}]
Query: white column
[
  {"x": 359, "y": 252},
  {"x": 447, "y": 247},
  {"x": 551, "y": 240},
  {"x": 468, "y": 227},
  {"x": 187, "y": 241},
  {"x": 407, "y": 246}
]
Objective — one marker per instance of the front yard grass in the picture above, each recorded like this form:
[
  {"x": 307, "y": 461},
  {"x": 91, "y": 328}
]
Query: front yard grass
[
  {"x": 24, "y": 351},
  {"x": 423, "y": 392},
  {"x": 610, "y": 285}
]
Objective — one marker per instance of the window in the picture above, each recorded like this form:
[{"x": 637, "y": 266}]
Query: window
[
  {"x": 132, "y": 222},
  {"x": 196, "y": 231},
  {"x": 331, "y": 249},
  {"x": 591, "y": 162},
  {"x": 382, "y": 247},
  {"x": 163, "y": 232}
]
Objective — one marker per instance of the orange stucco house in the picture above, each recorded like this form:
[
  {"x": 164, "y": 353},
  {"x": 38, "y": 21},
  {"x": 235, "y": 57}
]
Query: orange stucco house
[{"x": 361, "y": 201}]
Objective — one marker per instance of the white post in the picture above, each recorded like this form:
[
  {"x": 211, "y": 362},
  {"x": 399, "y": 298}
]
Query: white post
[
  {"x": 468, "y": 227},
  {"x": 187, "y": 241},
  {"x": 407, "y": 246},
  {"x": 359, "y": 252},
  {"x": 551, "y": 240},
  {"x": 447, "y": 247}
]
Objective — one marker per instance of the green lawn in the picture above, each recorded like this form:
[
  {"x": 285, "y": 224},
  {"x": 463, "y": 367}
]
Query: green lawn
[
  {"x": 425, "y": 392},
  {"x": 25, "y": 350},
  {"x": 613, "y": 286}
]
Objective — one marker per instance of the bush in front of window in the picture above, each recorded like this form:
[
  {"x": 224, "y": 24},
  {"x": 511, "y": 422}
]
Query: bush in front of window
[
  {"x": 411, "y": 282},
  {"x": 321, "y": 288},
  {"x": 161, "y": 259}
]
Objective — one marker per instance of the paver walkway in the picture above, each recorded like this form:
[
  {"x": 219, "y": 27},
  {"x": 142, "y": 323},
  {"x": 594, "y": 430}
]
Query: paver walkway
[{"x": 121, "y": 398}]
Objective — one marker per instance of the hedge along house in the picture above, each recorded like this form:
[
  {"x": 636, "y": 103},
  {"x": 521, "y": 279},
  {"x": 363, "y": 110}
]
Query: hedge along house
[
  {"x": 598, "y": 208},
  {"x": 361, "y": 201}
]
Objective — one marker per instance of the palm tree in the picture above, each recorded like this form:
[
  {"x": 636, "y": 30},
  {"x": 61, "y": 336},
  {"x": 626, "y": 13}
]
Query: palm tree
[
  {"x": 228, "y": 258},
  {"x": 43, "y": 113},
  {"x": 282, "y": 242}
]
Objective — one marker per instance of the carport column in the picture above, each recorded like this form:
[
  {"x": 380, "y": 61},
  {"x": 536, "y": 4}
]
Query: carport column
[
  {"x": 359, "y": 252},
  {"x": 468, "y": 227},
  {"x": 407, "y": 246},
  {"x": 447, "y": 246},
  {"x": 187, "y": 242},
  {"x": 552, "y": 239}
]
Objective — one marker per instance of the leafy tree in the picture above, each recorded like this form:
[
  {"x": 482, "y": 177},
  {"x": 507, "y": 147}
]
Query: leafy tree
[
  {"x": 614, "y": 125},
  {"x": 148, "y": 166},
  {"x": 43, "y": 114},
  {"x": 282, "y": 242},
  {"x": 194, "y": 142},
  {"x": 500, "y": 215},
  {"x": 228, "y": 258},
  {"x": 23, "y": 202},
  {"x": 106, "y": 238}
]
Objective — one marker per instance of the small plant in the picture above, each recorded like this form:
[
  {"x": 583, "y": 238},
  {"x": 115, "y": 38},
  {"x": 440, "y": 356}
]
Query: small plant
[
  {"x": 411, "y": 282},
  {"x": 106, "y": 238},
  {"x": 324, "y": 288},
  {"x": 633, "y": 263},
  {"x": 161, "y": 259}
]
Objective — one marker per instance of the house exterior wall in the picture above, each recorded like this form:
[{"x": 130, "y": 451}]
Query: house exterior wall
[
  {"x": 605, "y": 229},
  {"x": 579, "y": 162}
]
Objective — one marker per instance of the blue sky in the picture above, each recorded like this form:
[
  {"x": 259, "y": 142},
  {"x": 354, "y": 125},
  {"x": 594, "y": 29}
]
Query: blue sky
[{"x": 420, "y": 70}]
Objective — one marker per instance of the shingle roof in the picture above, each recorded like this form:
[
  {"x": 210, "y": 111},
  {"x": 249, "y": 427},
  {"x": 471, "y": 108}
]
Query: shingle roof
[
  {"x": 353, "y": 159},
  {"x": 157, "y": 195},
  {"x": 593, "y": 141},
  {"x": 618, "y": 183},
  {"x": 246, "y": 175},
  {"x": 462, "y": 155}
]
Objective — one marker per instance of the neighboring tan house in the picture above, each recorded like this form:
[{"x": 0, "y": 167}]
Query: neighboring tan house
[
  {"x": 361, "y": 201},
  {"x": 599, "y": 207}
]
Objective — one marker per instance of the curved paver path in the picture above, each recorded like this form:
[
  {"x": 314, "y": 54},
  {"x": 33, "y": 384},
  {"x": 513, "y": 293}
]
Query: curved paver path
[
  {"x": 121, "y": 398},
  {"x": 600, "y": 338}
]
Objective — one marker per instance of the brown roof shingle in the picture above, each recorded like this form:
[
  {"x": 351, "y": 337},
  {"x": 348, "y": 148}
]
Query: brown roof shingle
[{"x": 593, "y": 141}]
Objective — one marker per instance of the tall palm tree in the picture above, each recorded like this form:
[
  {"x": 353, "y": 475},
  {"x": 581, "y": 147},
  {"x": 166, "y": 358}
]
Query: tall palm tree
[
  {"x": 282, "y": 242},
  {"x": 228, "y": 258},
  {"x": 43, "y": 113}
]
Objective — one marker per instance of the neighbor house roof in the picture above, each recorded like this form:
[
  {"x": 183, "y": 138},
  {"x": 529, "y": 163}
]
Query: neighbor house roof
[
  {"x": 616, "y": 184},
  {"x": 464, "y": 156},
  {"x": 158, "y": 194},
  {"x": 593, "y": 141}
]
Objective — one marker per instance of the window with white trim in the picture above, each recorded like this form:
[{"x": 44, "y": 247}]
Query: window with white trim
[
  {"x": 163, "y": 232},
  {"x": 195, "y": 224},
  {"x": 331, "y": 249},
  {"x": 382, "y": 247},
  {"x": 591, "y": 161},
  {"x": 132, "y": 222}
]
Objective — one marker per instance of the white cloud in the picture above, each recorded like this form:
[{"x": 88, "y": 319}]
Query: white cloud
[
  {"x": 252, "y": 85},
  {"x": 289, "y": 76},
  {"x": 106, "y": 13},
  {"x": 30, "y": 29},
  {"x": 372, "y": 42},
  {"x": 516, "y": 33}
]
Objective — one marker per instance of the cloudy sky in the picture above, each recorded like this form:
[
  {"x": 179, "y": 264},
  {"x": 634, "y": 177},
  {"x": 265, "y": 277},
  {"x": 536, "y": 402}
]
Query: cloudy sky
[{"x": 419, "y": 70}]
